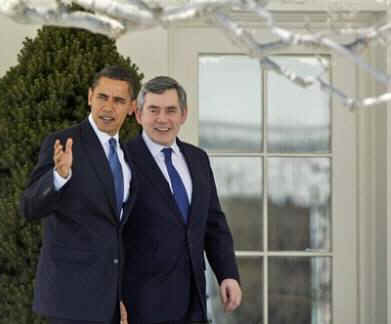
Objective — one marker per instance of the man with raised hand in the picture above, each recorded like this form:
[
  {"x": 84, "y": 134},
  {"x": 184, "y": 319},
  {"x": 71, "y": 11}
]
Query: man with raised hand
[{"x": 80, "y": 188}]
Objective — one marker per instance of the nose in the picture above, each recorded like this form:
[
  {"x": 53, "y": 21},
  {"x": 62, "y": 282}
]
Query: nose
[
  {"x": 162, "y": 117},
  {"x": 109, "y": 105}
]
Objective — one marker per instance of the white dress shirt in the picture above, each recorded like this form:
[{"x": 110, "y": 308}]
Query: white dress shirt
[
  {"x": 178, "y": 161},
  {"x": 104, "y": 138}
]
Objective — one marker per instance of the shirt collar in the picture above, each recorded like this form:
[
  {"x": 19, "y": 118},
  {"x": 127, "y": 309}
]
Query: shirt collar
[
  {"x": 102, "y": 136},
  {"x": 156, "y": 148}
]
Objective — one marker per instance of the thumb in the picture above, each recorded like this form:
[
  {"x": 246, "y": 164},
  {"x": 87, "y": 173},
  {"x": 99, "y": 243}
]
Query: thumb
[
  {"x": 124, "y": 314},
  {"x": 223, "y": 294}
]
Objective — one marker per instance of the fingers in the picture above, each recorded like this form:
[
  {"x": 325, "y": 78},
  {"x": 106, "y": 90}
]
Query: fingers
[
  {"x": 231, "y": 295},
  {"x": 63, "y": 158},
  {"x": 228, "y": 300},
  {"x": 223, "y": 294},
  {"x": 59, "y": 147},
  {"x": 58, "y": 151},
  {"x": 232, "y": 303},
  {"x": 124, "y": 314},
  {"x": 68, "y": 145}
]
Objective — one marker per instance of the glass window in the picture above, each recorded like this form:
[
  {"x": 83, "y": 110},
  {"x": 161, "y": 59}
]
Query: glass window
[
  {"x": 299, "y": 290},
  {"x": 299, "y": 203},
  {"x": 298, "y": 118},
  {"x": 274, "y": 184},
  {"x": 251, "y": 310},
  {"x": 239, "y": 185},
  {"x": 231, "y": 114}
]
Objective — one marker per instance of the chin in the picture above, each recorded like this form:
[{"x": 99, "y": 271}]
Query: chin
[{"x": 161, "y": 142}]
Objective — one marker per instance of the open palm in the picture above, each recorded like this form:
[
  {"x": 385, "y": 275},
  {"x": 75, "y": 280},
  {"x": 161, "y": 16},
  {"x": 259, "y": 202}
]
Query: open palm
[{"x": 63, "y": 158}]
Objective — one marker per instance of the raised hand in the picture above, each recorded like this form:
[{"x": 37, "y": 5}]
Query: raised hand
[{"x": 63, "y": 158}]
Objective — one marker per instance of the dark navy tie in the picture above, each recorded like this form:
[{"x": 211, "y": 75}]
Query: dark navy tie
[
  {"x": 178, "y": 187},
  {"x": 116, "y": 169}
]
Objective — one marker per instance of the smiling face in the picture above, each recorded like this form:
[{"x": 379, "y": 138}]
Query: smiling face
[
  {"x": 110, "y": 103},
  {"x": 161, "y": 116}
]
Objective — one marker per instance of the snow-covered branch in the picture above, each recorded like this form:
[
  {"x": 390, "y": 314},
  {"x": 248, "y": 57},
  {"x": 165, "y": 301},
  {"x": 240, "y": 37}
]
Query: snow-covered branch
[{"x": 116, "y": 17}]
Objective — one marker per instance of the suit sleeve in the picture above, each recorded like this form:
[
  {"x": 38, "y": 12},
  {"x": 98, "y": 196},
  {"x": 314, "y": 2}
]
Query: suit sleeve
[
  {"x": 218, "y": 240},
  {"x": 40, "y": 198}
]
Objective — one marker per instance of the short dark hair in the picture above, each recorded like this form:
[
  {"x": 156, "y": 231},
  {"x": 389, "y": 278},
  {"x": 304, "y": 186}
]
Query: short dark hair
[
  {"x": 115, "y": 72},
  {"x": 159, "y": 85}
]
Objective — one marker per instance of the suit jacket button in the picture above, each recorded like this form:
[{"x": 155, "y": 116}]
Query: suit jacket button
[{"x": 115, "y": 261}]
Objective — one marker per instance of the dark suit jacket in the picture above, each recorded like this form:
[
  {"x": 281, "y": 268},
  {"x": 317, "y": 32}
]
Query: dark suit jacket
[
  {"x": 164, "y": 267},
  {"x": 79, "y": 270}
]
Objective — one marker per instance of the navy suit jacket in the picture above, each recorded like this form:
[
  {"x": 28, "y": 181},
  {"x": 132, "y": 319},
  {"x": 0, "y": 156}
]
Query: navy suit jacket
[
  {"x": 79, "y": 269},
  {"x": 164, "y": 269}
]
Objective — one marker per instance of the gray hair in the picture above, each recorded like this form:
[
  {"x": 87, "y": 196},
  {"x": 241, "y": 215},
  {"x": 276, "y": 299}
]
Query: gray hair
[{"x": 159, "y": 85}]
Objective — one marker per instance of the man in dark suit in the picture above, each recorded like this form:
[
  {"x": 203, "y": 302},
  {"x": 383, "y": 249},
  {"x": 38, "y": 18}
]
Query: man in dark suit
[
  {"x": 176, "y": 217},
  {"x": 80, "y": 189}
]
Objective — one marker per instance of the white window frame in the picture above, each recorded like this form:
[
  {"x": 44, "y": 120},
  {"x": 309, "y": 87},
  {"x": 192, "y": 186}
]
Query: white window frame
[{"x": 359, "y": 287}]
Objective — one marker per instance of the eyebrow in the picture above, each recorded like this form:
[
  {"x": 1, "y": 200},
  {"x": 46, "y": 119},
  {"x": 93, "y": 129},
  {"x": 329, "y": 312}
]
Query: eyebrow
[
  {"x": 101, "y": 94},
  {"x": 120, "y": 98},
  {"x": 159, "y": 107},
  {"x": 153, "y": 107}
]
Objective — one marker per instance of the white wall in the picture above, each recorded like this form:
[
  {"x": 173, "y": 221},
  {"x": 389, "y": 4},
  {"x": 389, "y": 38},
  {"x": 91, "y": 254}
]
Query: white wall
[
  {"x": 11, "y": 41},
  {"x": 148, "y": 49},
  {"x": 381, "y": 199}
]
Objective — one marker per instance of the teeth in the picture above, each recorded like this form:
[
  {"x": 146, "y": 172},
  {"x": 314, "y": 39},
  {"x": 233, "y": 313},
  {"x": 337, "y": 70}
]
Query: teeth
[
  {"x": 162, "y": 129},
  {"x": 107, "y": 118}
]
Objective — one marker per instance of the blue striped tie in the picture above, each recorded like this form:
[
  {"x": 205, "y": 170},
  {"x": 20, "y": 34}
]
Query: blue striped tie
[
  {"x": 178, "y": 187},
  {"x": 116, "y": 170}
]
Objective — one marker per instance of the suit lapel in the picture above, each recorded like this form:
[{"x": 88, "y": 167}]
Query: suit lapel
[
  {"x": 194, "y": 169},
  {"x": 149, "y": 168},
  {"x": 98, "y": 160}
]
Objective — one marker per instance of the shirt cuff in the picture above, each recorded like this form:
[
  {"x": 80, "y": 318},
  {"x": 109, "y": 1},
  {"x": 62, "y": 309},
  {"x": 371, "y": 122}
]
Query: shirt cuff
[{"x": 59, "y": 181}]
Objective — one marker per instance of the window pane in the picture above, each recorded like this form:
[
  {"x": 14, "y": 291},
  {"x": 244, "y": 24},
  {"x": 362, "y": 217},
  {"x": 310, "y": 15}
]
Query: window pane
[
  {"x": 251, "y": 309},
  {"x": 299, "y": 203},
  {"x": 239, "y": 185},
  {"x": 298, "y": 118},
  {"x": 299, "y": 290},
  {"x": 230, "y": 106}
]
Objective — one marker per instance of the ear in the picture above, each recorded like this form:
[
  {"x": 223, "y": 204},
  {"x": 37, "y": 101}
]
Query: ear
[
  {"x": 138, "y": 114},
  {"x": 184, "y": 116},
  {"x": 90, "y": 94},
  {"x": 132, "y": 107}
]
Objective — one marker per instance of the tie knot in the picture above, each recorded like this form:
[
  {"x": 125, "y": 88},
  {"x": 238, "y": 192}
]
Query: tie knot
[
  {"x": 167, "y": 153},
  {"x": 113, "y": 143}
]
